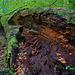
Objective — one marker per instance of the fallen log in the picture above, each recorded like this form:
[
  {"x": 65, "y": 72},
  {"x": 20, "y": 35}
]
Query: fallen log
[{"x": 47, "y": 27}]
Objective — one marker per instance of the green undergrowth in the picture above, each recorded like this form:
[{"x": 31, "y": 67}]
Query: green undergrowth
[
  {"x": 8, "y": 6},
  {"x": 12, "y": 43},
  {"x": 7, "y": 71},
  {"x": 7, "y": 56},
  {"x": 68, "y": 16},
  {"x": 71, "y": 67}
]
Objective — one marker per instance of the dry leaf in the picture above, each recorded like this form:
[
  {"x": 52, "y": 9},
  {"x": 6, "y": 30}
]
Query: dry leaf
[
  {"x": 70, "y": 53},
  {"x": 22, "y": 43},
  {"x": 17, "y": 60},
  {"x": 20, "y": 58},
  {"x": 22, "y": 72},
  {"x": 19, "y": 63},
  {"x": 58, "y": 54},
  {"x": 24, "y": 56},
  {"x": 19, "y": 74},
  {"x": 62, "y": 60},
  {"x": 23, "y": 69},
  {"x": 61, "y": 36},
  {"x": 18, "y": 70},
  {"x": 33, "y": 52}
]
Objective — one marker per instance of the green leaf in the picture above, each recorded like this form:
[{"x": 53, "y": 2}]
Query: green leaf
[
  {"x": 4, "y": 63},
  {"x": 55, "y": 12},
  {"x": 70, "y": 67},
  {"x": 67, "y": 67}
]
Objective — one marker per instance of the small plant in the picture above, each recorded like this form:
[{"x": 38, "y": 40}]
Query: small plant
[
  {"x": 5, "y": 72},
  {"x": 4, "y": 63},
  {"x": 8, "y": 71},
  {"x": 11, "y": 67},
  {"x": 61, "y": 14},
  {"x": 67, "y": 20},
  {"x": 55, "y": 12},
  {"x": 71, "y": 67},
  {"x": 73, "y": 20}
]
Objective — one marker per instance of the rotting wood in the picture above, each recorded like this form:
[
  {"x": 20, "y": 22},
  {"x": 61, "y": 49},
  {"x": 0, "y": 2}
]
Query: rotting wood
[{"x": 49, "y": 28}]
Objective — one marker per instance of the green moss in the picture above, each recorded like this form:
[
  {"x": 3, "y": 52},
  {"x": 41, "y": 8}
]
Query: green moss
[
  {"x": 4, "y": 63},
  {"x": 11, "y": 72},
  {"x": 34, "y": 31},
  {"x": 5, "y": 53},
  {"x": 12, "y": 42}
]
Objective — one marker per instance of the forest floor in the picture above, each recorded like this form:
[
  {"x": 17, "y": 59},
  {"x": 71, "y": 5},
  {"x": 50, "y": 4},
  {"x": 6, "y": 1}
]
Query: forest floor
[{"x": 2, "y": 48}]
